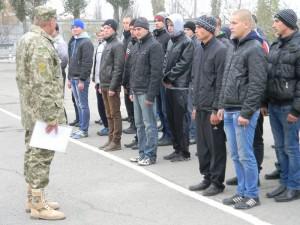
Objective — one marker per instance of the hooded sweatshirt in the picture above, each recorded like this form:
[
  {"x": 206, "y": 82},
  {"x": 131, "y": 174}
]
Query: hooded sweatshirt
[
  {"x": 178, "y": 24},
  {"x": 81, "y": 51}
]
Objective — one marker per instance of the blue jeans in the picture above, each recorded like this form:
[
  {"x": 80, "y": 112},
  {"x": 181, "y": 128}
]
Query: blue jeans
[
  {"x": 240, "y": 141},
  {"x": 82, "y": 102},
  {"x": 145, "y": 122},
  {"x": 286, "y": 139}
]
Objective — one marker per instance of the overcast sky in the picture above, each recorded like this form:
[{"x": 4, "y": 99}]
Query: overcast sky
[{"x": 146, "y": 9}]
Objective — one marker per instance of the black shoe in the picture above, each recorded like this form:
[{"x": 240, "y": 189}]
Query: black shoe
[
  {"x": 201, "y": 186},
  {"x": 212, "y": 190},
  {"x": 130, "y": 145},
  {"x": 247, "y": 203},
  {"x": 135, "y": 147},
  {"x": 233, "y": 200},
  {"x": 170, "y": 156},
  {"x": 74, "y": 123},
  {"x": 276, "y": 191},
  {"x": 232, "y": 181},
  {"x": 288, "y": 195},
  {"x": 130, "y": 130},
  {"x": 164, "y": 142},
  {"x": 273, "y": 175},
  {"x": 125, "y": 119},
  {"x": 180, "y": 158},
  {"x": 98, "y": 122}
]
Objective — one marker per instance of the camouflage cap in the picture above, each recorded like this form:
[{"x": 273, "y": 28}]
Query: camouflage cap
[{"x": 44, "y": 12}]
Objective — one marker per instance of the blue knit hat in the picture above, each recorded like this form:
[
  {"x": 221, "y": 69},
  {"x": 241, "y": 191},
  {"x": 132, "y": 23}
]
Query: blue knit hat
[{"x": 78, "y": 23}]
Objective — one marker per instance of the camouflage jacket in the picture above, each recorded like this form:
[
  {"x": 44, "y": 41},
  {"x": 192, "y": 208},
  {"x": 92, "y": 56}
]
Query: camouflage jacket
[{"x": 39, "y": 79}]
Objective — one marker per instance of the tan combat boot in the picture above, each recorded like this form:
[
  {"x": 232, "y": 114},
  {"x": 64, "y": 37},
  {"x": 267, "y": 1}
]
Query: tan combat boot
[
  {"x": 53, "y": 205},
  {"x": 113, "y": 147},
  {"x": 41, "y": 210}
]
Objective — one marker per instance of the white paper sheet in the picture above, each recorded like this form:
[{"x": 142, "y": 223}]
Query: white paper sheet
[{"x": 53, "y": 141}]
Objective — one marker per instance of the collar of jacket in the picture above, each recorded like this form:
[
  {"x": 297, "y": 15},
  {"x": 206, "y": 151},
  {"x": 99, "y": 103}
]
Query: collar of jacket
[
  {"x": 251, "y": 36},
  {"x": 133, "y": 40},
  {"x": 209, "y": 43},
  {"x": 111, "y": 38},
  {"x": 126, "y": 34},
  {"x": 158, "y": 32},
  {"x": 144, "y": 39},
  {"x": 40, "y": 31},
  {"x": 178, "y": 37},
  {"x": 285, "y": 40}
]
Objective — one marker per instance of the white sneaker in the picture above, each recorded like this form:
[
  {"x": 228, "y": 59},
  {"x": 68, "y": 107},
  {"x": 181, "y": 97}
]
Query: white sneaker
[
  {"x": 146, "y": 162},
  {"x": 136, "y": 159}
]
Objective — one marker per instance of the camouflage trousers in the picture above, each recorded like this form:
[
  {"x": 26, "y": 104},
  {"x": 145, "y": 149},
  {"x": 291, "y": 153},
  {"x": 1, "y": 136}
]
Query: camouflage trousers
[{"x": 36, "y": 164}]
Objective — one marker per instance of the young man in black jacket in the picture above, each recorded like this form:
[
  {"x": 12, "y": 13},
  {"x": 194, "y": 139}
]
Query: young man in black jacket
[
  {"x": 283, "y": 101},
  {"x": 163, "y": 37},
  {"x": 145, "y": 77},
  {"x": 126, "y": 77},
  {"x": 211, "y": 146},
  {"x": 189, "y": 30},
  {"x": 96, "y": 79},
  {"x": 243, "y": 85},
  {"x": 111, "y": 72},
  {"x": 177, "y": 76},
  {"x": 81, "y": 51},
  {"x": 128, "y": 104}
]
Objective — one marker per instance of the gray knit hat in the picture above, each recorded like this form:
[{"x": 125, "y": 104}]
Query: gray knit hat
[
  {"x": 142, "y": 22},
  {"x": 209, "y": 23},
  {"x": 288, "y": 17}
]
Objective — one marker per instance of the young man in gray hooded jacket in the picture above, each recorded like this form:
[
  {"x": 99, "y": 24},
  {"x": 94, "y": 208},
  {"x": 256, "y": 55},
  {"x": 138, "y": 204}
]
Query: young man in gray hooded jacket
[{"x": 177, "y": 76}]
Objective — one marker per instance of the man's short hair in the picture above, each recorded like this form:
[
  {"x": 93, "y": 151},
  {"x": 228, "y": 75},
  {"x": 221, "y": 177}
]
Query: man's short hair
[{"x": 245, "y": 15}]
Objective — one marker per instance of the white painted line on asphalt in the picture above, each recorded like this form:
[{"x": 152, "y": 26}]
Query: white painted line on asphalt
[
  {"x": 227, "y": 209},
  {"x": 10, "y": 114}
]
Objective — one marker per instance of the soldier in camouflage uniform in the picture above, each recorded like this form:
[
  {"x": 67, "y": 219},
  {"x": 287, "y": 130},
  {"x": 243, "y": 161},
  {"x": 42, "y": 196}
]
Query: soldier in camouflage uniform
[{"x": 40, "y": 84}]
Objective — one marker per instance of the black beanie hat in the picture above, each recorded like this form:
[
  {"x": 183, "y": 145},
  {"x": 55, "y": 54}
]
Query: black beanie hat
[
  {"x": 142, "y": 22},
  {"x": 112, "y": 23},
  {"x": 288, "y": 17},
  {"x": 209, "y": 23},
  {"x": 191, "y": 25}
]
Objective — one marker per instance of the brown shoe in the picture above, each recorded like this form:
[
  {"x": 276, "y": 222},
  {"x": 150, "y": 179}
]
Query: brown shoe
[
  {"x": 102, "y": 147},
  {"x": 112, "y": 147}
]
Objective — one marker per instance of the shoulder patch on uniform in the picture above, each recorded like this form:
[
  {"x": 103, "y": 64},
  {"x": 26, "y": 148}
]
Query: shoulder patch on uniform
[{"x": 42, "y": 68}]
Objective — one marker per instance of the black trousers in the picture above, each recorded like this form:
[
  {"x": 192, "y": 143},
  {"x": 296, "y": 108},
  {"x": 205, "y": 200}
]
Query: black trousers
[
  {"x": 129, "y": 108},
  {"x": 101, "y": 107},
  {"x": 211, "y": 148},
  {"x": 258, "y": 143},
  {"x": 176, "y": 106}
]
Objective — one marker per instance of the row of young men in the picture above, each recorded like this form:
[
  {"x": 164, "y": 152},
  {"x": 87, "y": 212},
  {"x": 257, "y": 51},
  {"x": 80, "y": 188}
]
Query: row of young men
[
  {"x": 228, "y": 85},
  {"x": 248, "y": 74}
]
